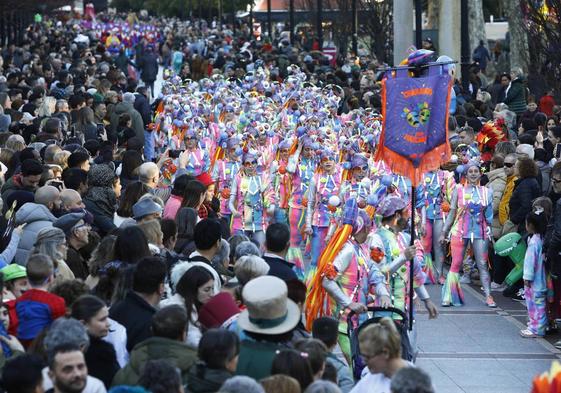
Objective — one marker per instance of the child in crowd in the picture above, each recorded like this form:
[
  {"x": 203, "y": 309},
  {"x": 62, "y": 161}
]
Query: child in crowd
[
  {"x": 37, "y": 308},
  {"x": 15, "y": 284},
  {"x": 535, "y": 286}
]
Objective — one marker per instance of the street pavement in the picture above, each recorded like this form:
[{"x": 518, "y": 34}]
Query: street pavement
[{"x": 475, "y": 349}]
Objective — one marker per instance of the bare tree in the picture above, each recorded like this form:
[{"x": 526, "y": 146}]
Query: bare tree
[
  {"x": 378, "y": 27},
  {"x": 476, "y": 24},
  {"x": 433, "y": 14},
  {"x": 519, "y": 52},
  {"x": 543, "y": 28}
]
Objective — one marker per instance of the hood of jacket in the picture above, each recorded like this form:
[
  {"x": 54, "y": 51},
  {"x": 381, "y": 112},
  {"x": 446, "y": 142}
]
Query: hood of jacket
[
  {"x": 202, "y": 379},
  {"x": 162, "y": 348},
  {"x": 495, "y": 174},
  {"x": 31, "y": 212}
]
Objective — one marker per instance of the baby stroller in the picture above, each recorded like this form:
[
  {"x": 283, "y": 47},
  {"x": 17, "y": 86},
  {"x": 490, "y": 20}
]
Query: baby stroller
[{"x": 407, "y": 349}]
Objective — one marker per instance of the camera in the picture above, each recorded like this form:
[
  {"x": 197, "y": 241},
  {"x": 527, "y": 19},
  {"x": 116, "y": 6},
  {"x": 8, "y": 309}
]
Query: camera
[{"x": 175, "y": 153}]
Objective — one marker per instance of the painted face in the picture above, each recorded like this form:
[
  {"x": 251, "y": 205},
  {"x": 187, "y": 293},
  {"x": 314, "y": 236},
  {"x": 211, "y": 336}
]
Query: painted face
[
  {"x": 251, "y": 167},
  {"x": 307, "y": 152},
  {"x": 327, "y": 165},
  {"x": 283, "y": 154},
  {"x": 190, "y": 143},
  {"x": 360, "y": 172}
]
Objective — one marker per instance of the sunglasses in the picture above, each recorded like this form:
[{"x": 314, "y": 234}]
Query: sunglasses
[
  {"x": 509, "y": 164},
  {"x": 250, "y": 163}
]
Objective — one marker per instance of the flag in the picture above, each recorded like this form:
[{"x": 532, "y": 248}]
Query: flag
[{"x": 414, "y": 138}]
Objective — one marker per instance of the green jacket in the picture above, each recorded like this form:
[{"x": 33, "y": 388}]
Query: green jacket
[
  {"x": 516, "y": 97},
  {"x": 154, "y": 348},
  {"x": 256, "y": 358}
]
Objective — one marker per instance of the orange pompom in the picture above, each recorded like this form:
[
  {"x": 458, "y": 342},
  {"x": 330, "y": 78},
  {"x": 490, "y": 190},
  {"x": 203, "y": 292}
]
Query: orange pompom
[
  {"x": 282, "y": 169},
  {"x": 332, "y": 208},
  {"x": 330, "y": 272},
  {"x": 304, "y": 201},
  {"x": 225, "y": 193},
  {"x": 377, "y": 254},
  {"x": 445, "y": 207}
]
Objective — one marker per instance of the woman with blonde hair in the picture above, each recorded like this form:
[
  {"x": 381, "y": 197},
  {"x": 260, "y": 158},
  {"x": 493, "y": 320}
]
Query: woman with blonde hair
[
  {"x": 380, "y": 347},
  {"x": 47, "y": 108},
  {"x": 61, "y": 159},
  {"x": 16, "y": 143},
  {"x": 153, "y": 232},
  {"x": 280, "y": 384}
]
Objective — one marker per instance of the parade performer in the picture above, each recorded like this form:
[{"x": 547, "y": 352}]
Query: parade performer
[
  {"x": 359, "y": 185},
  {"x": 281, "y": 181},
  {"x": 224, "y": 172},
  {"x": 535, "y": 286},
  {"x": 250, "y": 200},
  {"x": 198, "y": 160},
  {"x": 435, "y": 195},
  {"x": 390, "y": 245},
  {"x": 301, "y": 167},
  {"x": 469, "y": 223},
  {"x": 323, "y": 200},
  {"x": 351, "y": 274}
]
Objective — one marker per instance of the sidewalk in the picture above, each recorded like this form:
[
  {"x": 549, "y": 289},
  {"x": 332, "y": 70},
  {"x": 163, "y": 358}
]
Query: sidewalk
[{"x": 475, "y": 349}]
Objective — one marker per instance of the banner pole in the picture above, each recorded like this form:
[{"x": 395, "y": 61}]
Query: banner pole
[{"x": 412, "y": 261}]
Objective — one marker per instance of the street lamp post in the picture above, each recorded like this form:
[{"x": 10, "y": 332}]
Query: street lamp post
[
  {"x": 234, "y": 17},
  {"x": 464, "y": 39},
  {"x": 291, "y": 20},
  {"x": 418, "y": 24},
  {"x": 251, "y": 21},
  {"x": 319, "y": 24},
  {"x": 354, "y": 27},
  {"x": 269, "y": 23}
]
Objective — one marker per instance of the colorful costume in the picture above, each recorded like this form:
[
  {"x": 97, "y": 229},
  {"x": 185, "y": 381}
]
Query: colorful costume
[
  {"x": 435, "y": 194},
  {"x": 470, "y": 220},
  {"x": 250, "y": 197},
  {"x": 535, "y": 293}
]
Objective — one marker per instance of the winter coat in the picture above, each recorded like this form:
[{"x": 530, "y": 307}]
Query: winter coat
[
  {"x": 101, "y": 360},
  {"x": 14, "y": 184},
  {"x": 344, "y": 376},
  {"x": 137, "y": 123},
  {"x": 520, "y": 204},
  {"x": 36, "y": 217},
  {"x": 553, "y": 236},
  {"x": 202, "y": 379},
  {"x": 516, "y": 97},
  {"x": 497, "y": 182},
  {"x": 135, "y": 314},
  {"x": 148, "y": 65},
  {"x": 154, "y": 348},
  {"x": 142, "y": 105}
]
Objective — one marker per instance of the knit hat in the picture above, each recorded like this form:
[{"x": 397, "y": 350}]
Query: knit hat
[
  {"x": 145, "y": 207},
  {"x": 219, "y": 310},
  {"x": 101, "y": 175},
  {"x": 50, "y": 234},
  {"x": 13, "y": 272}
]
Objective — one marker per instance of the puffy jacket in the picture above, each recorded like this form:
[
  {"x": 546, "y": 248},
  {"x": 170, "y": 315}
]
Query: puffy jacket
[
  {"x": 154, "y": 348},
  {"x": 516, "y": 96},
  {"x": 36, "y": 217},
  {"x": 520, "y": 204},
  {"x": 137, "y": 123},
  {"x": 497, "y": 182}
]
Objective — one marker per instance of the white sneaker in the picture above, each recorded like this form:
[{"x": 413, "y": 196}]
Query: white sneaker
[{"x": 497, "y": 287}]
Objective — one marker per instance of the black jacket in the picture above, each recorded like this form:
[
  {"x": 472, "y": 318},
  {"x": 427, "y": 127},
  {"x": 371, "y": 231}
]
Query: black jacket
[
  {"x": 135, "y": 314},
  {"x": 280, "y": 268},
  {"x": 553, "y": 236},
  {"x": 202, "y": 379},
  {"x": 142, "y": 105},
  {"x": 520, "y": 204},
  {"x": 101, "y": 360}
]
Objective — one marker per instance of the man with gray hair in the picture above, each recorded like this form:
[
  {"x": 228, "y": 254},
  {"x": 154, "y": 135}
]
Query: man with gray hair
[
  {"x": 69, "y": 331},
  {"x": 127, "y": 106},
  {"x": 241, "y": 384},
  {"x": 411, "y": 380},
  {"x": 149, "y": 174}
]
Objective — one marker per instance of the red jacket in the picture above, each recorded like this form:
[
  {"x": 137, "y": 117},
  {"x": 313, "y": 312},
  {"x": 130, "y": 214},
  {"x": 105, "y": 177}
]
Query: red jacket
[{"x": 547, "y": 103}]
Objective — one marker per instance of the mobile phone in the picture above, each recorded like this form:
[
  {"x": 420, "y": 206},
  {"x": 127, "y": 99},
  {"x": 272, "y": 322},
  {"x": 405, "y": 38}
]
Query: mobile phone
[
  {"x": 100, "y": 129},
  {"x": 175, "y": 153},
  {"x": 57, "y": 184}
]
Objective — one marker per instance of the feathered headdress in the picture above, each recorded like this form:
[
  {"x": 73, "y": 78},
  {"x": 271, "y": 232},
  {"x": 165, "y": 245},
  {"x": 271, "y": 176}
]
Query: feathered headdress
[{"x": 488, "y": 137}]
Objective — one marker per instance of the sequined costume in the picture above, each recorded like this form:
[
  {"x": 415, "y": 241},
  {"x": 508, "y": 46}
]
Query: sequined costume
[{"x": 535, "y": 293}]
